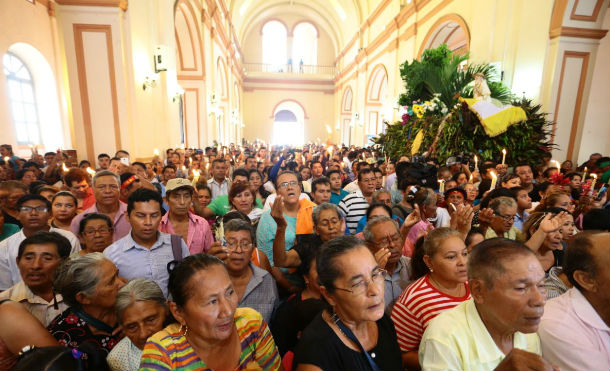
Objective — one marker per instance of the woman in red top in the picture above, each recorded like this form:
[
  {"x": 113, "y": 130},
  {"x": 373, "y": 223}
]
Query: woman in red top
[{"x": 439, "y": 268}]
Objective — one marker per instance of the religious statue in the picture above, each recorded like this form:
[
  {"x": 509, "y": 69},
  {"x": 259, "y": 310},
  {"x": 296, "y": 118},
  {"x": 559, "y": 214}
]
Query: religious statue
[{"x": 481, "y": 90}]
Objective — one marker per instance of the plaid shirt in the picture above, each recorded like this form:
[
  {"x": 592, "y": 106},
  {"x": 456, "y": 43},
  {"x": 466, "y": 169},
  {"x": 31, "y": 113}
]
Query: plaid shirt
[{"x": 553, "y": 284}]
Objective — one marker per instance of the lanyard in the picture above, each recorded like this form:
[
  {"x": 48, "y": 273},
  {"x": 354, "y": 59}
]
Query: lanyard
[{"x": 350, "y": 335}]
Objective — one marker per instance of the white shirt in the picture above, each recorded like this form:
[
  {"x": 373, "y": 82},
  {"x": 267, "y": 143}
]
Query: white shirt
[
  {"x": 389, "y": 181},
  {"x": 219, "y": 188},
  {"x": 573, "y": 335},
  {"x": 442, "y": 219},
  {"x": 352, "y": 187},
  {"x": 9, "y": 248},
  {"x": 271, "y": 198}
]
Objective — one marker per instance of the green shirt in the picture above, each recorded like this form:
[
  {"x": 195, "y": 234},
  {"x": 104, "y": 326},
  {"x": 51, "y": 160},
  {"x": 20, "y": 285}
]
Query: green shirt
[
  {"x": 220, "y": 205},
  {"x": 8, "y": 230}
]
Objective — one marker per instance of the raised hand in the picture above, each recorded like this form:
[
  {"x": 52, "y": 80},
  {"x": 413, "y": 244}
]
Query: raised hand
[
  {"x": 382, "y": 256},
  {"x": 277, "y": 211}
]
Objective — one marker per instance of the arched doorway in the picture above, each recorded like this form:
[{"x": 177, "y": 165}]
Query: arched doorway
[
  {"x": 346, "y": 116},
  {"x": 376, "y": 95},
  {"x": 450, "y": 29},
  {"x": 288, "y": 124}
]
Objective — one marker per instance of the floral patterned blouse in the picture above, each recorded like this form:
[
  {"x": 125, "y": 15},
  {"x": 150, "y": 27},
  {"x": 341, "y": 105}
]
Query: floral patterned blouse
[{"x": 72, "y": 330}]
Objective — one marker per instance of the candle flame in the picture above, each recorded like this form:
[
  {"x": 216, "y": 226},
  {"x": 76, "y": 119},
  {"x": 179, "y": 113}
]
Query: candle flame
[
  {"x": 557, "y": 165},
  {"x": 503, "y": 151},
  {"x": 493, "y": 175},
  {"x": 6, "y": 159},
  {"x": 64, "y": 167},
  {"x": 90, "y": 171},
  {"x": 594, "y": 176},
  {"x": 196, "y": 173}
]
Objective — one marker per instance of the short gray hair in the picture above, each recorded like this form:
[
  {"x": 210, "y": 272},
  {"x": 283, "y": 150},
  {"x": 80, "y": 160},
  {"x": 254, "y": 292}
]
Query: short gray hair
[
  {"x": 425, "y": 196},
  {"x": 315, "y": 215},
  {"x": 139, "y": 289},
  {"x": 378, "y": 192},
  {"x": 369, "y": 236},
  {"x": 500, "y": 202},
  {"x": 235, "y": 225},
  {"x": 105, "y": 173},
  {"x": 78, "y": 275}
]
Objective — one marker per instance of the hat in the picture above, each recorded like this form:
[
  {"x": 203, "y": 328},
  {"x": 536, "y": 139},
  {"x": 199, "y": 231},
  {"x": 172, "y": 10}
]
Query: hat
[{"x": 176, "y": 183}]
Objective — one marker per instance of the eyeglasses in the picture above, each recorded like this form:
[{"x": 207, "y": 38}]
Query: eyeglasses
[
  {"x": 360, "y": 287},
  {"x": 328, "y": 222},
  {"x": 101, "y": 231},
  {"x": 507, "y": 218},
  {"x": 234, "y": 245},
  {"x": 395, "y": 239},
  {"x": 367, "y": 180},
  {"x": 292, "y": 184},
  {"x": 29, "y": 209}
]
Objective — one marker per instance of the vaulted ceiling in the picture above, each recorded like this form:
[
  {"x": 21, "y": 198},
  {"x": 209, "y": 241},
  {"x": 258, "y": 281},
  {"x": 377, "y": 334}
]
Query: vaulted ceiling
[{"x": 340, "y": 18}]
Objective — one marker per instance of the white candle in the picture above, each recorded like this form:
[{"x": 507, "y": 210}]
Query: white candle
[
  {"x": 476, "y": 163},
  {"x": 494, "y": 179},
  {"x": 196, "y": 175},
  {"x": 90, "y": 171},
  {"x": 556, "y": 164},
  {"x": 441, "y": 186},
  {"x": 503, "y": 155},
  {"x": 584, "y": 175},
  {"x": 64, "y": 167}
]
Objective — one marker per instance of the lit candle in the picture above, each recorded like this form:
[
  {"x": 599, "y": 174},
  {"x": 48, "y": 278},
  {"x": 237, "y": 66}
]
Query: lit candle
[
  {"x": 592, "y": 190},
  {"x": 64, "y": 167},
  {"x": 156, "y": 153},
  {"x": 441, "y": 186},
  {"x": 476, "y": 163},
  {"x": 503, "y": 155},
  {"x": 90, "y": 171},
  {"x": 494, "y": 179},
  {"x": 584, "y": 175},
  {"x": 470, "y": 179},
  {"x": 556, "y": 164},
  {"x": 196, "y": 175},
  {"x": 190, "y": 161},
  {"x": 6, "y": 159}
]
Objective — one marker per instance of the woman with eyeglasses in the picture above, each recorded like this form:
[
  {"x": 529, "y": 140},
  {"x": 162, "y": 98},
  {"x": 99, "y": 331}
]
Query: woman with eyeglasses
[
  {"x": 293, "y": 216},
  {"x": 254, "y": 286},
  {"x": 95, "y": 233},
  {"x": 354, "y": 334},
  {"x": 63, "y": 206},
  {"x": 211, "y": 333},
  {"x": 439, "y": 268}
]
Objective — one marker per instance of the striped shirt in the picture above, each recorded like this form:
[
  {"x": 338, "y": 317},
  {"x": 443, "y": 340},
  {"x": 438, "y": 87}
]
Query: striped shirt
[
  {"x": 414, "y": 309},
  {"x": 354, "y": 208},
  {"x": 169, "y": 349}
]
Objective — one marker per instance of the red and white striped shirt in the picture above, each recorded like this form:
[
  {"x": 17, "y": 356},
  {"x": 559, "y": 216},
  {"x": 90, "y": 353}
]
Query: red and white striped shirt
[{"x": 416, "y": 306}]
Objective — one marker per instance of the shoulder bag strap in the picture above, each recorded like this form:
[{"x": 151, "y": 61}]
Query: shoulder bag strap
[{"x": 177, "y": 247}]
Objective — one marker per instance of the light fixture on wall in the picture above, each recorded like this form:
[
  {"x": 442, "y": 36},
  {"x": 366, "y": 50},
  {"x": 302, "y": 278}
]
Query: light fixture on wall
[
  {"x": 161, "y": 54},
  {"x": 178, "y": 94},
  {"x": 356, "y": 120},
  {"x": 150, "y": 81},
  {"x": 213, "y": 108},
  {"x": 235, "y": 117}
]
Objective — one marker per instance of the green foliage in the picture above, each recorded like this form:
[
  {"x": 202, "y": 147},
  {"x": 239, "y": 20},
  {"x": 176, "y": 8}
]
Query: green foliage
[{"x": 439, "y": 72}]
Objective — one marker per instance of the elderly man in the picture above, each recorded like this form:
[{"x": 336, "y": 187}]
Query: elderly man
[
  {"x": 38, "y": 257},
  {"x": 575, "y": 328},
  {"x": 501, "y": 223},
  {"x": 383, "y": 238},
  {"x": 496, "y": 330},
  {"x": 106, "y": 188},
  {"x": 34, "y": 214}
]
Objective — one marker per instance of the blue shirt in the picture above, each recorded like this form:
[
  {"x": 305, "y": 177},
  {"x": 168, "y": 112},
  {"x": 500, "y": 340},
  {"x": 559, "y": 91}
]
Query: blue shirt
[
  {"x": 335, "y": 198},
  {"x": 136, "y": 261},
  {"x": 8, "y": 230},
  {"x": 519, "y": 220}
]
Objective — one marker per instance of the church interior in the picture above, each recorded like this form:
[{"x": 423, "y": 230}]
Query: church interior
[{"x": 102, "y": 75}]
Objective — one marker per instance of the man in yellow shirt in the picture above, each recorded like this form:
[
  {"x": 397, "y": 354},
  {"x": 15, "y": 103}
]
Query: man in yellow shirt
[{"x": 496, "y": 329}]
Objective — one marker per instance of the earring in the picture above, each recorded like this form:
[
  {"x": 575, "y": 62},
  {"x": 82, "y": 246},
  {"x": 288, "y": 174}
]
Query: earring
[
  {"x": 186, "y": 329},
  {"x": 431, "y": 270}
]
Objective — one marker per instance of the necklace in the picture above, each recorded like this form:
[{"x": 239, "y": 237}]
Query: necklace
[{"x": 444, "y": 290}]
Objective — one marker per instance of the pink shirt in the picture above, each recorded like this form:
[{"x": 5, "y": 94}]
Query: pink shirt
[
  {"x": 199, "y": 237},
  {"x": 120, "y": 223},
  {"x": 573, "y": 335}
]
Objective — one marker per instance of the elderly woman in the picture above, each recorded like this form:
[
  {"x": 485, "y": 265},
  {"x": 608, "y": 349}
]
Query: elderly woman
[
  {"x": 211, "y": 333},
  {"x": 243, "y": 200},
  {"x": 292, "y": 217},
  {"x": 142, "y": 311},
  {"x": 95, "y": 233},
  {"x": 328, "y": 223},
  {"x": 255, "y": 287},
  {"x": 439, "y": 268},
  {"x": 63, "y": 206},
  {"x": 354, "y": 334},
  {"x": 89, "y": 284}
]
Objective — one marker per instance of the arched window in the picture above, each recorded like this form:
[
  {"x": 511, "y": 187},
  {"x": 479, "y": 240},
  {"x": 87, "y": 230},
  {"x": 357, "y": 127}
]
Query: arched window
[
  {"x": 22, "y": 100},
  {"x": 274, "y": 46},
  {"x": 305, "y": 45}
]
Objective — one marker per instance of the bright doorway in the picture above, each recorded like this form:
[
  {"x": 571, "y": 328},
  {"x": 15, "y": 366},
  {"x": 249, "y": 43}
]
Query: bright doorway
[{"x": 288, "y": 124}]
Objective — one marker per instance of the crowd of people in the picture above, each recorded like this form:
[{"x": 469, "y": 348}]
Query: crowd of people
[{"x": 320, "y": 257}]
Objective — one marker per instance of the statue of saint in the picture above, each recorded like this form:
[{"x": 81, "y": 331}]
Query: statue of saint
[{"x": 481, "y": 90}]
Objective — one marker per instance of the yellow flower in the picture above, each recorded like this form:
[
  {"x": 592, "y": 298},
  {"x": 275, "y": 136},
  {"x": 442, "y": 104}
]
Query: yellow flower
[{"x": 419, "y": 110}]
